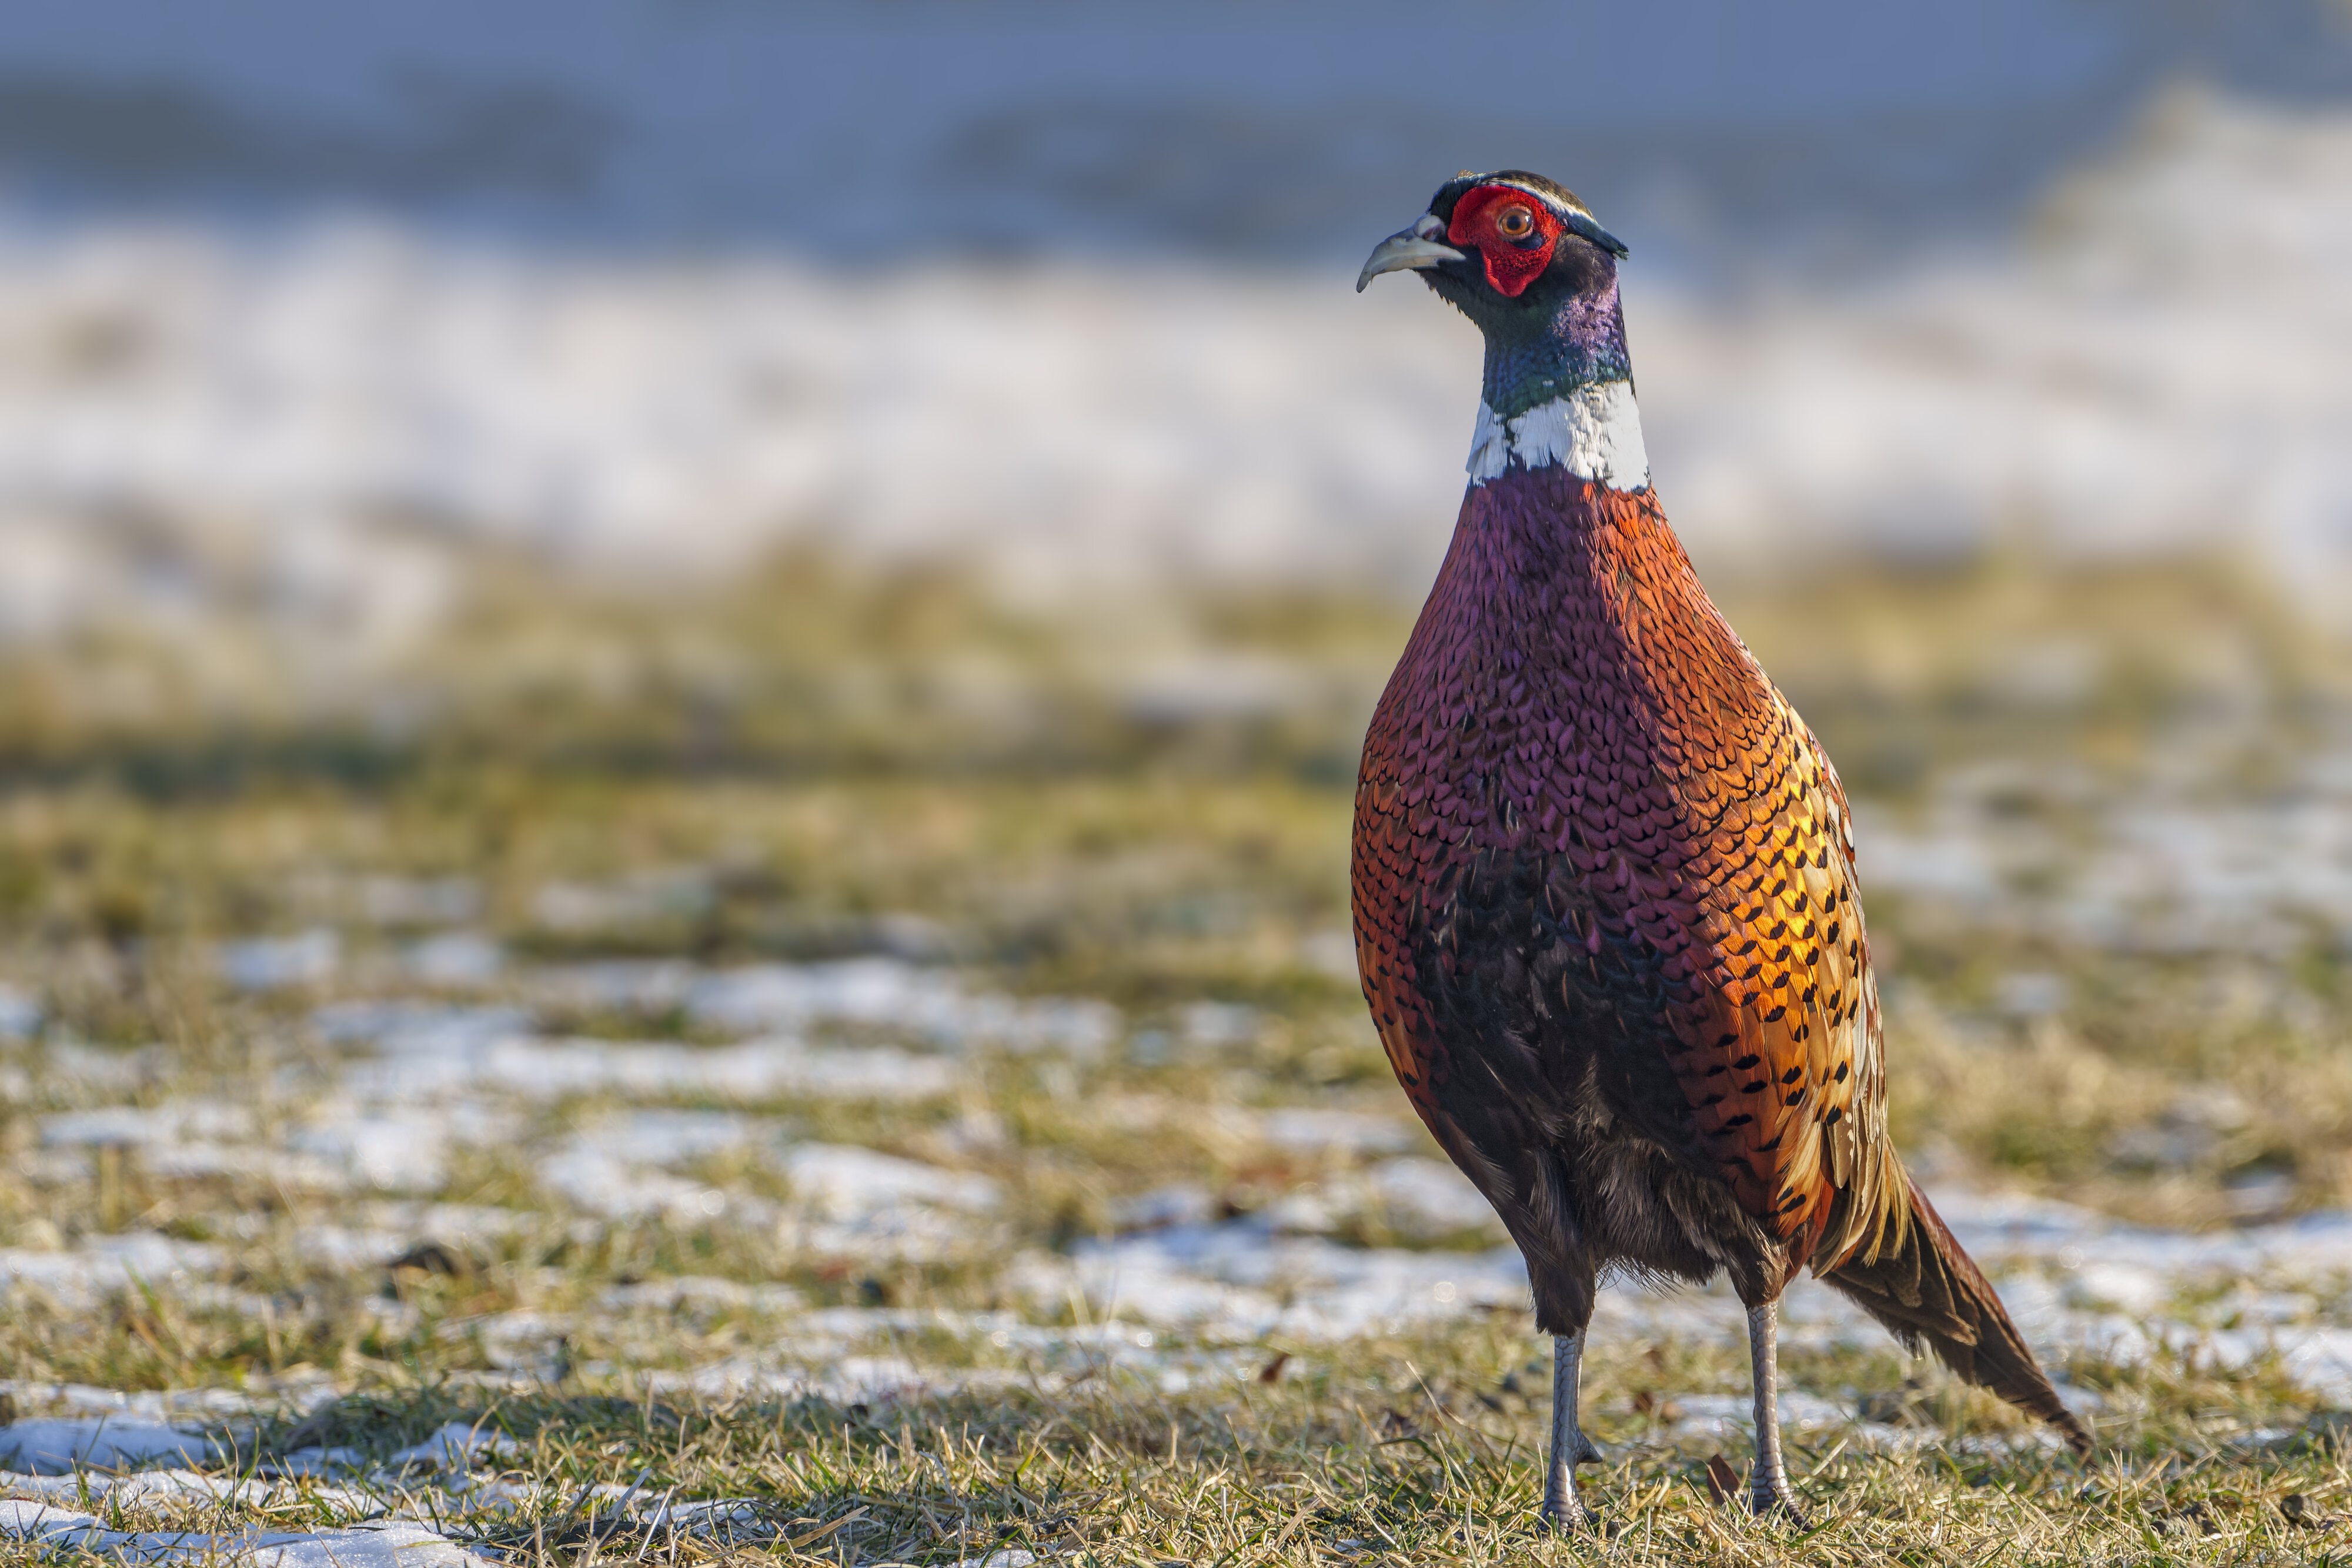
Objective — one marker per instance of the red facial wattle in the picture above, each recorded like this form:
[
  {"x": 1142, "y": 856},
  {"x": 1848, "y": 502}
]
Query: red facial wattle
[{"x": 1512, "y": 263}]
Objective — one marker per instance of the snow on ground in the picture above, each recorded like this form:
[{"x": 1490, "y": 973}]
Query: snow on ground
[
  {"x": 389, "y": 1545},
  {"x": 2185, "y": 863},
  {"x": 191, "y": 423},
  {"x": 415, "y": 1083},
  {"x": 54, "y": 1469},
  {"x": 729, "y": 1133},
  {"x": 1174, "y": 1306}
]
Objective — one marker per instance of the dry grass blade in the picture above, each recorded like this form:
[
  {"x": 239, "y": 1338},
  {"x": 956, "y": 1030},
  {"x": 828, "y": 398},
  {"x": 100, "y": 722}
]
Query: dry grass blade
[{"x": 804, "y": 1542}]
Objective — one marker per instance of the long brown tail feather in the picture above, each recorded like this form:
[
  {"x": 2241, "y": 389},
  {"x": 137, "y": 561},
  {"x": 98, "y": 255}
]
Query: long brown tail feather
[{"x": 1929, "y": 1291}]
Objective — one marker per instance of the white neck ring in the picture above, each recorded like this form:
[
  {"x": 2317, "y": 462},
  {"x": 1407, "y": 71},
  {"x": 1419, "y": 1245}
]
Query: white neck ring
[{"x": 1593, "y": 430}]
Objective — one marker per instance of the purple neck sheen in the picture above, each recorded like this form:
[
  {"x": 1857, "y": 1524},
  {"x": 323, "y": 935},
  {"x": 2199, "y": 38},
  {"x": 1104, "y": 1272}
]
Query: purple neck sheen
[{"x": 1534, "y": 359}]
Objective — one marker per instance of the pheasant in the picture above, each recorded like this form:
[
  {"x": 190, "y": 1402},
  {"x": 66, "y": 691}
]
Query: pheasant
[{"x": 1603, "y": 877}]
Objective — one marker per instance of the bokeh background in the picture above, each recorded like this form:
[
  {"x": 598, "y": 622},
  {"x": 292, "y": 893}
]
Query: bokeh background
[{"x": 628, "y": 631}]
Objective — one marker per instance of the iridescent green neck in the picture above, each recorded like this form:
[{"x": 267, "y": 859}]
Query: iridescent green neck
[{"x": 1582, "y": 343}]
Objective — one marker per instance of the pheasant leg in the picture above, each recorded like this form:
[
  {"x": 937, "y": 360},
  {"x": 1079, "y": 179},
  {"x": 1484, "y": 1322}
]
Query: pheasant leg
[
  {"x": 1563, "y": 1509},
  {"x": 1767, "y": 1487}
]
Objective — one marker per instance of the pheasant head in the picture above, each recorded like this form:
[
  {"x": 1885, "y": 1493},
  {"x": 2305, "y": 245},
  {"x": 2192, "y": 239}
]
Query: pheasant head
[{"x": 1527, "y": 262}]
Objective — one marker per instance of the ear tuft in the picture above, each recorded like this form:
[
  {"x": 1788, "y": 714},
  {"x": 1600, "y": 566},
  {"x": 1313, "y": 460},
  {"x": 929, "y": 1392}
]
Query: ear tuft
[{"x": 1583, "y": 224}]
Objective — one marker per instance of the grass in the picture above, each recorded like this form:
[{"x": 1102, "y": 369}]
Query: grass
[
  {"x": 1405, "y": 1453},
  {"x": 822, "y": 763}
]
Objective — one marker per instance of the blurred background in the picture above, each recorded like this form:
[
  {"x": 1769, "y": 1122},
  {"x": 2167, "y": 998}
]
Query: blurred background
[{"x": 514, "y": 522}]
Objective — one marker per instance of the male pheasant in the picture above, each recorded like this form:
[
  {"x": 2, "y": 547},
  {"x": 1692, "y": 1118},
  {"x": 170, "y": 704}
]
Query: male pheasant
[{"x": 1604, "y": 881}]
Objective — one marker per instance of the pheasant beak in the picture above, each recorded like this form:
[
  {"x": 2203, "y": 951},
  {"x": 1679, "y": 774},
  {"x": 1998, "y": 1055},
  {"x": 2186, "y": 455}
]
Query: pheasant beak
[{"x": 1410, "y": 249}]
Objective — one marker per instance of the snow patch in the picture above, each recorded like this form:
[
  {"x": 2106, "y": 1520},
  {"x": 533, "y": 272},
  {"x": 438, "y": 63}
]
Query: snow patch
[
  {"x": 843, "y": 1182},
  {"x": 60, "y": 1446}
]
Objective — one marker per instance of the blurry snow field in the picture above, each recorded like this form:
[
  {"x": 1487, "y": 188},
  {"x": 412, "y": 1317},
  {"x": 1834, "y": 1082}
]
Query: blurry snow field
[{"x": 319, "y": 429}]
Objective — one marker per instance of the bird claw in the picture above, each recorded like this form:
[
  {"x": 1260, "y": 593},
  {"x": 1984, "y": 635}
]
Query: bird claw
[
  {"x": 1778, "y": 1507},
  {"x": 1572, "y": 1519},
  {"x": 1563, "y": 1512}
]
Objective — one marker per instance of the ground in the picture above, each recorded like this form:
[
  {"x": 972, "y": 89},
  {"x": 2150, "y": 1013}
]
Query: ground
[{"x": 848, "y": 1071}]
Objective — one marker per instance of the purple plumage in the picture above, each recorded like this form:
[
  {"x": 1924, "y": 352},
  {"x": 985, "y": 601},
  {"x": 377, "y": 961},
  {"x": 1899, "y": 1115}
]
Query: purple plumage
[{"x": 1605, "y": 902}]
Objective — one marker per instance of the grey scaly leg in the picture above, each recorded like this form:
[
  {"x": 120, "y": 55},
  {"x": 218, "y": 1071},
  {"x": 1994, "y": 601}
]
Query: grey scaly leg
[
  {"x": 1767, "y": 1488},
  {"x": 1570, "y": 1447}
]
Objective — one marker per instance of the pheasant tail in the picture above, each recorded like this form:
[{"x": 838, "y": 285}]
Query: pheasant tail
[{"x": 1929, "y": 1291}]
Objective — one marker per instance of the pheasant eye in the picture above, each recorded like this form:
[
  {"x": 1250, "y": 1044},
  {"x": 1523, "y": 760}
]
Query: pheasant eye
[{"x": 1517, "y": 223}]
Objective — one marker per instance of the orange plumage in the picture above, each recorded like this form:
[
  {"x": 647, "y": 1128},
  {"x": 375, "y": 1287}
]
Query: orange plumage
[{"x": 1607, "y": 915}]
